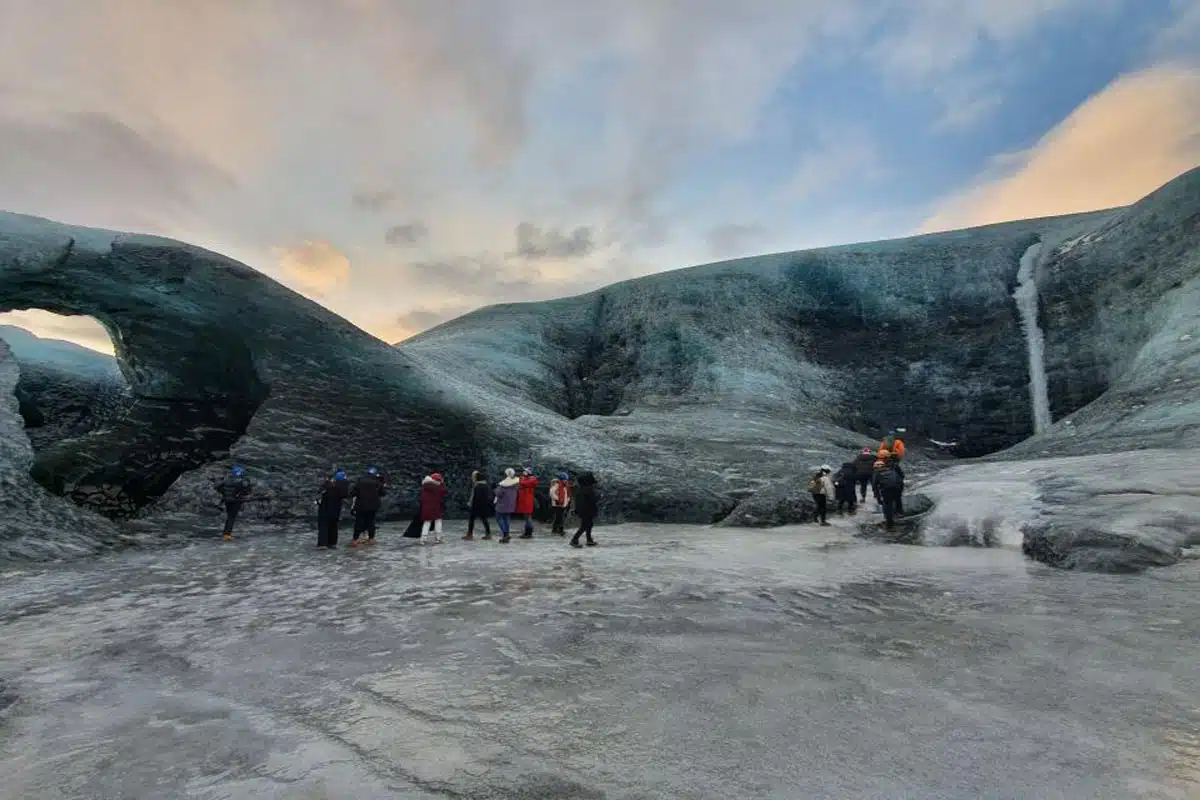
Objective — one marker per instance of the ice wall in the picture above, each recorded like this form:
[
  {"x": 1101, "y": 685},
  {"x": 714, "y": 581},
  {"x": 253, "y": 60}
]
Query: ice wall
[{"x": 1026, "y": 296}]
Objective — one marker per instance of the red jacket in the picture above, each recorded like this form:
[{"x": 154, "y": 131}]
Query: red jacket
[
  {"x": 525, "y": 494},
  {"x": 433, "y": 500},
  {"x": 560, "y": 493}
]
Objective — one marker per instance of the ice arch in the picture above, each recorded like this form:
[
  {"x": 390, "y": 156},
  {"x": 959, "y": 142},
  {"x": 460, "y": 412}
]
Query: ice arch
[{"x": 193, "y": 381}]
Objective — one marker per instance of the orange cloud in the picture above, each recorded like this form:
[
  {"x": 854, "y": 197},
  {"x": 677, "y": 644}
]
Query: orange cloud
[
  {"x": 1135, "y": 135},
  {"x": 316, "y": 264}
]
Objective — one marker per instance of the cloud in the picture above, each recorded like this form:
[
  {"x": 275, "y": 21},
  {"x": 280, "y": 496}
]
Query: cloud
[
  {"x": 1126, "y": 141},
  {"x": 733, "y": 239},
  {"x": 406, "y": 234},
  {"x": 372, "y": 200},
  {"x": 91, "y": 167},
  {"x": 535, "y": 243},
  {"x": 315, "y": 264},
  {"x": 839, "y": 158}
]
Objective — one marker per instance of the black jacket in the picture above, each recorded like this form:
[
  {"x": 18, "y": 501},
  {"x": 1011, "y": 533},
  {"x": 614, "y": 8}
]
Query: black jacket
[
  {"x": 234, "y": 490},
  {"x": 587, "y": 500},
  {"x": 333, "y": 493},
  {"x": 481, "y": 500},
  {"x": 368, "y": 493},
  {"x": 890, "y": 477},
  {"x": 864, "y": 465}
]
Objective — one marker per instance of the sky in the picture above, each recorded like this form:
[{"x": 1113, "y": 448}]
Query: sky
[{"x": 405, "y": 161}]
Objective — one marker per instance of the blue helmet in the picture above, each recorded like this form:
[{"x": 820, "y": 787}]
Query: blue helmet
[
  {"x": 562, "y": 476},
  {"x": 340, "y": 475},
  {"x": 372, "y": 471},
  {"x": 238, "y": 471}
]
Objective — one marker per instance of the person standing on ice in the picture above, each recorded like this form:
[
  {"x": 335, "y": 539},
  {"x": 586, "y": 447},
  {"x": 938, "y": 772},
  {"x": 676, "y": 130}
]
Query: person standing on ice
[
  {"x": 560, "y": 501},
  {"x": 334, "y": 492},
  {"x": 864, "y": 468},
  {"x": 433, "y": 508},
  {"x": 893, "y": 444},
  {"x": 525, "y": 500},
  {"x": 587, "y": 507},
  {"x": 234, "y": 490},
  {"x": 878, "y": 465},
  {"x": 506, "y": 502},
  {"x": 846, "y": 482},
  {"x": 367, "y": 496},
  {"x": 890, "y": 479},
  {"x": 820, "y": 485},
  {"x": 480, "y": 503}
]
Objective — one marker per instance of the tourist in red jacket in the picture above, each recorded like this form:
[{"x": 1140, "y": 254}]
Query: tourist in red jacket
[
  {"x": 525, "y": 504},
  {"x": 433, "y": 508}
]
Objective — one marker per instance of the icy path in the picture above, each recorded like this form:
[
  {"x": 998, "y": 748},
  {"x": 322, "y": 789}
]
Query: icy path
[
  {"x": 1026, "y": 296},
  {"x": 669, "y": 662}
]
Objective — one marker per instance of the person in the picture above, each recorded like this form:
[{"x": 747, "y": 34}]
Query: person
[
  {"x": 480, "y": 504},
  {"x": 506, "y": 502},
  {"x": 525, "y": 500},
  {"x": 864, "y": 467},
  {"x": 821, "y": 487},
  {"x": 587, "y": 508},
  {"x": 891, "y": 488},
  {"x": 560, "y": 500},
  {"x": 234, "y": 490},
  {"x": 893, "y": 444},
  {"x": 846, "y": 480},
  {"x": 877, "y": 465},
  {"x": 433, "y": 508},
  {"x": 367, "y": 497},
  {"x": 334, "y": 492}
]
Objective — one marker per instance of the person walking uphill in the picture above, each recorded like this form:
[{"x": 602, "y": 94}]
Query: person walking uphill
[
  {"x": 525, "y": 500},
  {"x": 864, "y": 468},
  {"x": 367, "y": 495},
  {"x": 560, "y": 501},
  {"x": 587, "y": 506},
  {"x": 480, "y": 504},
  {"x": 234, "y": 490},
  {"x": 820, "y": 485},
  {"x": 506, "y": 502},
  {"x": 433, "y": 508},
  {"x": 334, "y": 492},
  {"x": 846, "y": 481}
]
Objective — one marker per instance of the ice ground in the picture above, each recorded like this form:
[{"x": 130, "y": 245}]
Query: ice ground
[{"x": 670, "y": 662}]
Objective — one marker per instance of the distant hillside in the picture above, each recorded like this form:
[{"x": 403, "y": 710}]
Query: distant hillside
[{"x": 58, "y": 354}]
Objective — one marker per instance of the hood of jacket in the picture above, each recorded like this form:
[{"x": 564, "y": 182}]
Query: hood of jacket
[{"x": 513, "y": 481}]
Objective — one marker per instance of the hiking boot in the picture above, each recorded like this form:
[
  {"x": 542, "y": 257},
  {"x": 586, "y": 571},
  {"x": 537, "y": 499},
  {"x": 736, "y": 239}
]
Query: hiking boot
[
  {"x": 370, "y": 541},
  {"x": 591, "y": 542},
  {"x": 470, "y": 538},
  {"x": 486, "y": 536},
  {"x": 505, "y": 539},
  {"x": 825, "y": 525},
  {"x": 354, "y": 542},
  {"x": 576, "y": 544},
  {"x": 526, "y": 535},
  {"x": 227, "y": 537}
]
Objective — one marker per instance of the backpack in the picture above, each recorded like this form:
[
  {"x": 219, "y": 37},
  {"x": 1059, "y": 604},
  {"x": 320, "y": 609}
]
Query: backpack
[
  {"x": 889, "y": 478},
  {"x": 815, "y": 485}
]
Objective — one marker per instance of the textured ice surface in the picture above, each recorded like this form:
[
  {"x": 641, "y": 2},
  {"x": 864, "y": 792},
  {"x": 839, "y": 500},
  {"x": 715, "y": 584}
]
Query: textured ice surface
[
  {"x": 1026, "y": 296},
  {"x": 670, "y": 662}
]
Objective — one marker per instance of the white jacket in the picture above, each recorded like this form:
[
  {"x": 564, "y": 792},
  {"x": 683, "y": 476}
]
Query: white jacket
[{"x": 827, "y": 486}]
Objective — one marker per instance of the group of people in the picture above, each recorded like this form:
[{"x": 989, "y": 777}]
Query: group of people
[
  {"x": 878, "y": 469},
  {"x": 512, "y": 497}
]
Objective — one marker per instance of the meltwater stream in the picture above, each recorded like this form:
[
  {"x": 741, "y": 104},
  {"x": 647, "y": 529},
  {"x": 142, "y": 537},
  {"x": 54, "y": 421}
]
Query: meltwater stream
[
  {"x": 669, "y": 662},
  {"x": 1026, "y": 297}
]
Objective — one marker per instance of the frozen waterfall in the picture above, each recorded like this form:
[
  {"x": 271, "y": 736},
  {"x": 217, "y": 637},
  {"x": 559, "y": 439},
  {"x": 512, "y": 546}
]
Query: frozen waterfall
[{"x": 1026, "y": 295}]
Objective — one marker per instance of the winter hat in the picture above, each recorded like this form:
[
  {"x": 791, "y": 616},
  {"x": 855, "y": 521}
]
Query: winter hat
[
  {"x": 340, "y": 475},
  {"x": 562, "y": 476},
  {"x": 510, "y": 473},
  {"x": 437, "y": 476},
  {"x": 826, "y": 468},
  {"x": 866, "y": 451},
  {"x": 372, "y": 471},
  {"x": 238, "y": 471}
]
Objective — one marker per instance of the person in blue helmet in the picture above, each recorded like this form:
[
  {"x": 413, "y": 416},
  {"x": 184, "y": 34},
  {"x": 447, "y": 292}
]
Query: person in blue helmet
[
  {"x": 367, "y": 497},
  {"x": 234, "y": 490},
  {"x": 334, "y": 491}
]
